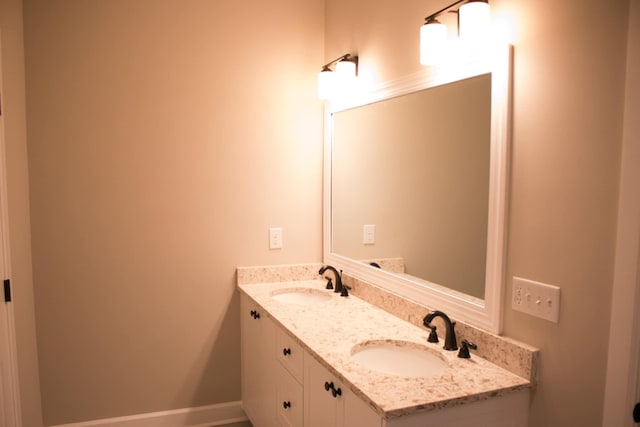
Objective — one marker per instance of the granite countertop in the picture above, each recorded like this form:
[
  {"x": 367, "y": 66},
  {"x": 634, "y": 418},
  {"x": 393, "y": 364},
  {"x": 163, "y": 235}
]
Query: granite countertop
[{"x": 329, "y": 330}]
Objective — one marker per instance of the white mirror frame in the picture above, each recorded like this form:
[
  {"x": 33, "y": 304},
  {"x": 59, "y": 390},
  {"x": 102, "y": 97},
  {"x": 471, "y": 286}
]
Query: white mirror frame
[{"x": 487, "y": 313}]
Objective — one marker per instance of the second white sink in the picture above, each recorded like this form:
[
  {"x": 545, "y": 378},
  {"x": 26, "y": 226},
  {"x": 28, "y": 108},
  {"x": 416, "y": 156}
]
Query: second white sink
[{"x": 399, "y": 358}]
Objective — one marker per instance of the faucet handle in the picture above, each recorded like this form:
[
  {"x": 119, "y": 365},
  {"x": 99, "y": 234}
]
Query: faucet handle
[
  {"x": 433, "y": 336},
  {"x": 329, "y": 284},
  {"x": 345, "y": 290},
  {"x": 464, "y": 349}
]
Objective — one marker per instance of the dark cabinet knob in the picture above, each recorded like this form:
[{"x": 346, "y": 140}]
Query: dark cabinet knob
[
  {"x": 286, "y": 405},
  {"x": 286, "y": 351},
  {"x": 254, "y": 314},
  {"x": 636, "y": 413},
  {"x": 335, "y": 392}
]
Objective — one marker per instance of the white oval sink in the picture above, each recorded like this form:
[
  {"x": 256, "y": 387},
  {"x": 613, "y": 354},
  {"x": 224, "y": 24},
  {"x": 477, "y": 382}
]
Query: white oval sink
[
  {"x": 301, "y": 296},
  {"x": 400, "y": 358}
]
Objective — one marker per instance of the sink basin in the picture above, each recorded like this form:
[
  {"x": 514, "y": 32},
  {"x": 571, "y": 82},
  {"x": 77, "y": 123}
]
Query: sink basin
[
  {"x": 301, "y": 296},
  {"x": 400, "y": 358}
]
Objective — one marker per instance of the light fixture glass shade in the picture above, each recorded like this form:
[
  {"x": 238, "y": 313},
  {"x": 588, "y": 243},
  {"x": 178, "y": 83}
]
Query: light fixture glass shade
[
  {"x": 433, "y": 42},
  {"x": 475, "y": 20},
  {"x": 326, "y": 84},
  {"x": 346, "y": 69},
  {"x": 345, "y": 77}
]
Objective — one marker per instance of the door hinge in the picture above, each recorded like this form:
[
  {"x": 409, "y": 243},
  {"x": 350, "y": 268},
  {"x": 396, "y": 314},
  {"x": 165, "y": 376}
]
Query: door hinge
[{"x": 7, "y": 290}]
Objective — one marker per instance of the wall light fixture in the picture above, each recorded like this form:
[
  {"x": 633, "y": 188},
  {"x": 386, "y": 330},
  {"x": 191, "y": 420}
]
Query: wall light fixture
[
  {"x": 474, "y": 20},
  {"x": 333, "y": 83}
]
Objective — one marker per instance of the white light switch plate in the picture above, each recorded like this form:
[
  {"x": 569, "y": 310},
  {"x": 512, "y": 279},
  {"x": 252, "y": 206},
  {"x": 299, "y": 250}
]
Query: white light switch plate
[
  {"x": 368, "y": 234},
  {"x": 275, "y": 238},
  {"x": 535, "y": 298}
]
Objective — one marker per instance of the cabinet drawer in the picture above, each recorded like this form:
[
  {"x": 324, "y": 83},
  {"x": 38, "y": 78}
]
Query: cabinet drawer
[
  {"x": 289, "y": 354},
  {"x": 289, "y": 400}
]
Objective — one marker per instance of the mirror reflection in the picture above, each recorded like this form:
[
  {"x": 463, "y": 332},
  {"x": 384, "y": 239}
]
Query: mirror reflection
[{"x": 410, "y": 184}]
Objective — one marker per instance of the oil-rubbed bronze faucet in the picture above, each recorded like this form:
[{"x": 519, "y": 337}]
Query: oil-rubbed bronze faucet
[
  {"x": 338, "y": 278},
  {"x": 450, "y": 341}
]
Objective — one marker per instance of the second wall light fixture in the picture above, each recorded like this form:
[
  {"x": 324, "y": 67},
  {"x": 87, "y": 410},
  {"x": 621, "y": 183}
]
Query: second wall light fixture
[
  {"x": 333, "y": 83},
  {"x": 474, "y": 21}
]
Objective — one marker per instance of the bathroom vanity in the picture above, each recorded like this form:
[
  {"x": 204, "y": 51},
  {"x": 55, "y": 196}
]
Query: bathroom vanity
[
  {"x": 306, "y": 362},
  {"x": 313, "y": 358}
]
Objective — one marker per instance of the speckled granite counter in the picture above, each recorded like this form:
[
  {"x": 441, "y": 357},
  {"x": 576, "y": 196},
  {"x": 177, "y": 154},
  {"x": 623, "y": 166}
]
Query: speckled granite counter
[{"x": 329, "y": 330}]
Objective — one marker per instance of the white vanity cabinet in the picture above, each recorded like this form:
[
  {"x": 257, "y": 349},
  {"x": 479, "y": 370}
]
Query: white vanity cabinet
[
  {"x": 285, "y": 385},
  {"x": 328, "y": 403},
  {"x": 257, "y": 363}
]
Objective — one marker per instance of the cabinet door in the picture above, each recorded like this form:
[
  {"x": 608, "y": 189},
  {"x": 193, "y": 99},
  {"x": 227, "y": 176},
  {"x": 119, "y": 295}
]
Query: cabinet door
[
  {"x": 357, "y": 413},
  {"x": 322, "y": 404},
  {"x": 289, "y": 353},
  {"x": 257, "y": 363},
  {"x": 328, "y": 403},
  {"x": 289, "y": 402}
]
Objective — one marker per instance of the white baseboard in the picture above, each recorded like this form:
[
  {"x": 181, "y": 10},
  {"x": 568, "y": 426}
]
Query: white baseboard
[{"x": 202, "y": 416}]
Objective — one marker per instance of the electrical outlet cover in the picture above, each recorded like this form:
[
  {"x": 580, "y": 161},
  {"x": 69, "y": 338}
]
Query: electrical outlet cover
[{"x": 535, "y": 298}]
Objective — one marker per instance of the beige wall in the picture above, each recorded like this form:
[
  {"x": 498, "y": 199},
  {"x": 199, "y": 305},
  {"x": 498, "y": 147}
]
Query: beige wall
[
  {"x": 13, "y": 106},
  {"x": 567, "y": 125},
  {"x": 165, "y": 137}
]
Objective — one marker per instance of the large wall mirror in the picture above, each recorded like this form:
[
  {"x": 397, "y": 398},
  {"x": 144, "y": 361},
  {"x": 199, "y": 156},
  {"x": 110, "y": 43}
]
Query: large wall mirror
[{"x": 416, "y": 183}]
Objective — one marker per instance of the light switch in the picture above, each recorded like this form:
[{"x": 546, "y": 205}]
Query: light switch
[
  {"x": 275, "y": 238},
  {"x": 368, "y": 234},
  {"x": 535, "y": 298}
]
